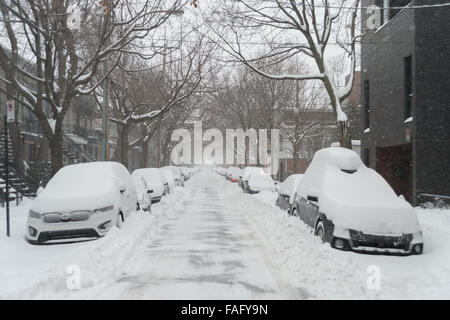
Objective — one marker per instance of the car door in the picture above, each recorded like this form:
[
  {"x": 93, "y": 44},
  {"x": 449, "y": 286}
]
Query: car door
[
  {"x": 302, "y": 209},
  {"x": 284, "y": 201}
]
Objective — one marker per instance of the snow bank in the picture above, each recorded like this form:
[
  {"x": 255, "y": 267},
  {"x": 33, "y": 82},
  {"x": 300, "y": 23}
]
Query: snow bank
[{"x": 40, "y": 272}]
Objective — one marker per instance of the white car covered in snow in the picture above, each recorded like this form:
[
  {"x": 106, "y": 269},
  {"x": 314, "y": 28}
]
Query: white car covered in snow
[
  {"x": 260, "y": 182},
  {"x": 234, "y": 173},
  {"x": 143, "y": 192},
  {"x": 178, "y": 175},
  {"x": 155, "y": 180},
  {"x": 82, "y": 201},
  {"x": 287, "y": 192},
  {"x": 353, "y": 208},
  {"x": 186, "y": 173},
  {"x": 170, "y": 179},
  {"x": 246, "y": 173}
]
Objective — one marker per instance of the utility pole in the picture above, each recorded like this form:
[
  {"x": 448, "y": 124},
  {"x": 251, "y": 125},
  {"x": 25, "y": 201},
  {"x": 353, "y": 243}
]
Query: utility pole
[
  {"x": 105, "y": 112},
  {"x": 9, "y": 117},
  {"x": 105, "y": 116}
]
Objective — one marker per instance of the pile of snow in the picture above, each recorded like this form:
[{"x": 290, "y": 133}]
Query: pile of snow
[
  {"x": 268, "y": 197},
  {"x": 42, "y": 272}
]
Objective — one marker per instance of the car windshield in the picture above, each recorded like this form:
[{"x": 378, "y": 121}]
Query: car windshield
[
  {"x": 83, "y": 178},
  {"x": 261, "y": 179}
]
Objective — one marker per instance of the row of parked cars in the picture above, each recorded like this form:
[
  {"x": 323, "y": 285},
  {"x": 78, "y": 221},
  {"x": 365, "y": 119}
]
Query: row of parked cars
[
  {"x": 85, "y": 200},
  {"x": 345, "y": 203}
]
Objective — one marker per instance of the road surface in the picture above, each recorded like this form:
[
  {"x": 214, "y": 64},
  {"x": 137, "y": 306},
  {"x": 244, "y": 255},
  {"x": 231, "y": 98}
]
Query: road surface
[{"x": 208, "y": 250}]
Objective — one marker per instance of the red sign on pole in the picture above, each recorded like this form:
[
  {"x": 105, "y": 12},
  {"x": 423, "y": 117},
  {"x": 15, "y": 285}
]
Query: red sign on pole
[{"x": 10, "y": 111}]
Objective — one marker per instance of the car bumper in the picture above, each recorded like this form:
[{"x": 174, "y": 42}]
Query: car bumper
[
  {"x": 156, "y": 199},
  {"x": 406, "y": 244},
  {"x": 97, "y": 225}
]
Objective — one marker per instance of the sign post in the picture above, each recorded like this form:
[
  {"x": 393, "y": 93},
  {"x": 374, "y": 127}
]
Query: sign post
[{"x": 9, "y": 117}]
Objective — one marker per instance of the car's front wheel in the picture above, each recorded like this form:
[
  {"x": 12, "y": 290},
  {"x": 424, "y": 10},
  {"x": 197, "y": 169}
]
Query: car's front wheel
[
  {"x": 320, "y": 231},
  {"x": 293, "y": 212},
  {"x": 119, "y": 220}
]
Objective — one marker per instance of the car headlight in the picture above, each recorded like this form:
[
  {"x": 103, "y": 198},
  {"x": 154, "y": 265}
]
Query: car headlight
[
  {"x": 34, "y": 214},
  {"x": 104, "y": 209}
]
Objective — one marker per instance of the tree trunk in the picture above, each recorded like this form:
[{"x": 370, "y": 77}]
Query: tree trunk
[
  {"x": 144, "y": 156},
  {"x": 122, "y": 147},
  {"x": 344, "y": 134},
  {"x": 56, "y": 151},
  {"x": 295, "y": 155}
]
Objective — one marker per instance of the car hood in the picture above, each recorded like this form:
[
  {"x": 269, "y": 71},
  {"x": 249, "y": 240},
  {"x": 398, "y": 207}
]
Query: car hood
[
  {"x": 372, "y": 217},
  {"x": 49, "y": 201}
]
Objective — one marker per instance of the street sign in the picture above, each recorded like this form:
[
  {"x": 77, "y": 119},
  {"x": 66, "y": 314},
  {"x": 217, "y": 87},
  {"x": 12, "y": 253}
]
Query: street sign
[{"x": 10, "y": 112}]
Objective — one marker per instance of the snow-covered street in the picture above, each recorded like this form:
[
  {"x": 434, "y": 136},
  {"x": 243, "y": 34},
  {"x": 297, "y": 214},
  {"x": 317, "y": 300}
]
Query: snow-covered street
[{"x": 209, "y": 240}]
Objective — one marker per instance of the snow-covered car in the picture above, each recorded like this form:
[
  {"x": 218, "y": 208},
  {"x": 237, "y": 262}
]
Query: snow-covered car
[
  {"x": 243, "y": 179},
  {"x": 353, "y": 208},
  {"x": 170, "y": 179},
  {"x": 178, "y": 175},
  {"x": 82, "y": 201},
  {"x": 155, "y": 182},
  {"x": 186, "y": 173},
  {"x": 143, "y": 192},
  {"x": 234, "y": 173},
  {"x": 260, "y": 182},
  {"x": 287, "y": 192},
  {"x": 222, "y": 171}
]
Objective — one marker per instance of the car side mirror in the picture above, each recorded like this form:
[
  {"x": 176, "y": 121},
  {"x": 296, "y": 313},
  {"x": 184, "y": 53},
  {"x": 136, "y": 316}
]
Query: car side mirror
[
  {"x": 123, "y": 188},
  {"x": 149, "y": 191},
  {"x": 313, "y": 198}
]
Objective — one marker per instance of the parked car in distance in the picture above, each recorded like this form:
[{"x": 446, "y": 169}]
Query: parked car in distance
[
  {"x": 260, "y": 182},
  {"x": 234, "y": 173},
  {"x": 353, "y": 208},
  {"x": 155, "y": 182},
  {"x": 143, "y": 193},
  {"x": 222, "y": 171},
  {"x": 243, "y": 180},
  {"x": 186, "y": 173},
  {"x": 287, "y": 192},
  {"x": 82, "y": 201},
  {"x": 178, "y": 175},
  {"x": 171, "y": 181}
]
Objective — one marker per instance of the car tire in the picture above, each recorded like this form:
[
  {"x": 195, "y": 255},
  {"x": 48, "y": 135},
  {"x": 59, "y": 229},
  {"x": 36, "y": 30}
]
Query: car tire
[
  {"x": 120, "y": 220},
  {"x": 320, "y": 231},
  {"x": 293, "y": 212},
  {"x": 277, "y": 202},
  {"x": 138, "y": 207}
]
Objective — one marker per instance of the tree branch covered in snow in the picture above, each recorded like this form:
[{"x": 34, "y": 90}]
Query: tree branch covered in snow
[
  {"x": 56, "y": 50},
  {"x": 290, "y": 29}
]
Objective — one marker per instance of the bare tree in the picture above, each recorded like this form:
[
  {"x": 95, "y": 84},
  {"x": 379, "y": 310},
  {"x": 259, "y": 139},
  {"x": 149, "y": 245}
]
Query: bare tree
[
  {"x": 67, "y": 56},
  {"x": 302, "y": 120},
  {"x": 142, "y": 97},
  {"x": 314, "y": 23}
]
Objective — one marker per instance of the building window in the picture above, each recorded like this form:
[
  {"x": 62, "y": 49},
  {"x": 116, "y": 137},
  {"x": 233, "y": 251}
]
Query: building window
[
  {"x": 390, "y": 8},
  {"x": 395, "y": 6},
  {"x": 366, "y": 104},
  {"x": 408, "y": 86}
]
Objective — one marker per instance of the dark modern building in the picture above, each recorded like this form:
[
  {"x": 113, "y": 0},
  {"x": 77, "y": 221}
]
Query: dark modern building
[{"x": 405, "y": 85}]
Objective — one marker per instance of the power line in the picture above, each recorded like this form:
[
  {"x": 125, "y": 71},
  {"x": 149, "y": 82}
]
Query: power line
[{"x": 409, "y": 7}]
